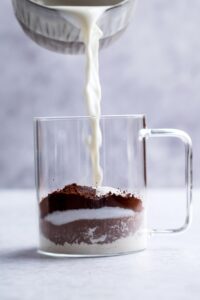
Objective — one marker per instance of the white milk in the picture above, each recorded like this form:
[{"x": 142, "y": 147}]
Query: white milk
[{"x": 87, "y": 17}]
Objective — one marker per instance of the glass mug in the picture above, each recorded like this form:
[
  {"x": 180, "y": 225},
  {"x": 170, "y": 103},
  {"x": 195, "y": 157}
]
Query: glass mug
[{"x": 77, "y": 219}]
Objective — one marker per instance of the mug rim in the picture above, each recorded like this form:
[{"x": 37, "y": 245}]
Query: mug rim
[{"x": 86, "y": 117}]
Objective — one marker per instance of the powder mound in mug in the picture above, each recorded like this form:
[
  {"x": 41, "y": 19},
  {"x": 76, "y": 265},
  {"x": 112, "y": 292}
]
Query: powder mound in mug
[{"x": 85, "y": 215}]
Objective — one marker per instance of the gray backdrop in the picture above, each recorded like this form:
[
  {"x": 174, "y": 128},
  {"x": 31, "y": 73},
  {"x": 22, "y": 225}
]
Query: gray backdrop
[{"x": 154, "y": 69}]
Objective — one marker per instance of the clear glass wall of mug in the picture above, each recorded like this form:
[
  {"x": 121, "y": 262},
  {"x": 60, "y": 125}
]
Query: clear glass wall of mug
[{"x": 79, "y": 219}]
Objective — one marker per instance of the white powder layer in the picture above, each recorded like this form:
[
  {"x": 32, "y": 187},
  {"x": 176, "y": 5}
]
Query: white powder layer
[
  {"x": 104, "y": 190},
  {"x": 64, "y": 217},
  {"x": 136, "y": 242}
]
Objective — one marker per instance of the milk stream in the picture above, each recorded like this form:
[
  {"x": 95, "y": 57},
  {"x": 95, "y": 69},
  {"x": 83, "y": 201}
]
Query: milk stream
[
  {"x": 87, "y": 17},
  {"x": 91, "y": 36}
]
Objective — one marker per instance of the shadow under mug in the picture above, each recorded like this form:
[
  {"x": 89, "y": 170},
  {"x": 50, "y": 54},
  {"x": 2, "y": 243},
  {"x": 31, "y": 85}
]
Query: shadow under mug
[{"x": 62, "y": 158}]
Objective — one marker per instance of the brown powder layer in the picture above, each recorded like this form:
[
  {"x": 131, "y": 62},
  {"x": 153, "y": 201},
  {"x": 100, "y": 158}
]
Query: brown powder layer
[
  {"x": 91, "y": 231},
  {"x": 74, "y": 196}
]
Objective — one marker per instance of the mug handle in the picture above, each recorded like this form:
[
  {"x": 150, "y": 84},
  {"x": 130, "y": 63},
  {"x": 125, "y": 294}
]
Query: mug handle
[{"x": 185, "y": 138}]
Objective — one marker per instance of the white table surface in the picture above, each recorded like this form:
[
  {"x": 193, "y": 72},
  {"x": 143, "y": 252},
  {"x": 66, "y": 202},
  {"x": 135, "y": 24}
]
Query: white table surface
[{"x": 169, "y": 269}]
